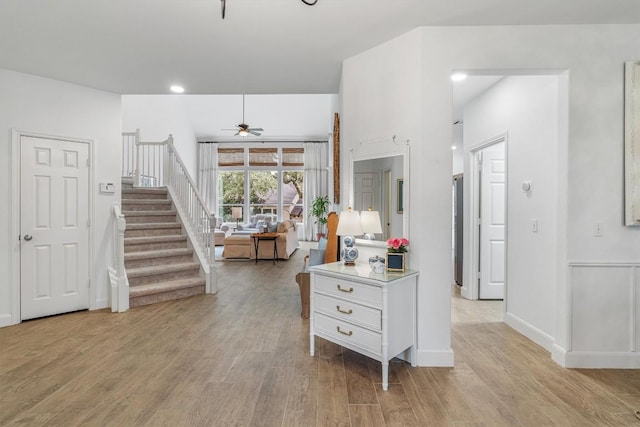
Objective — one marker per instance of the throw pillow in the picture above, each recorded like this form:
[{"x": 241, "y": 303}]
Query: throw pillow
[
  {"x": 316, "y": 257},
  {"x": 322, "y": 244},
  {"x": 282, "y": 227},
  {"x": 273, "y": 228}
]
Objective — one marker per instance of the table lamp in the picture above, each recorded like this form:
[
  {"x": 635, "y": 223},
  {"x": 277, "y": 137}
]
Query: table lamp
[
  {"x": 236, "y": 213},
  {"x": 370, "y": 221},
  {"x": 349, "y": 225}
]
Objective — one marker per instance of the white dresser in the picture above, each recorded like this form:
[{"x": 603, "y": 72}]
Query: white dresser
[{"x": 372, "y": 314}]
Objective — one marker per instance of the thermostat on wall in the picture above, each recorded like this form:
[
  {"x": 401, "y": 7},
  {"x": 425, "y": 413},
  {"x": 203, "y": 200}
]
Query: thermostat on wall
[{"x": 107, "y": 187}]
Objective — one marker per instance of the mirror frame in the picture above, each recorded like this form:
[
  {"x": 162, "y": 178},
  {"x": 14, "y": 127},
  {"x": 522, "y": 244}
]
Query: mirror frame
[{"x": 366, "y": 152}]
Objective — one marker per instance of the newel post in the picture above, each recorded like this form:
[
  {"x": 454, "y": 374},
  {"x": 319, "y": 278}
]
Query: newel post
[{"x": 212, "y": 280}]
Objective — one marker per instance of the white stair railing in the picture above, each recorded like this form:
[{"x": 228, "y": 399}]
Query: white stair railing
[
  {"x": 129, "y": 152},
  {"x": 159, "y": 165},
  {"x": 117, "y": 273}
]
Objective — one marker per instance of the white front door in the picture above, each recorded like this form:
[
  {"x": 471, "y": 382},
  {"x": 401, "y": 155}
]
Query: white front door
[
  {"x": 492, "y": 221},
  {"x": 54, "y": 226}
]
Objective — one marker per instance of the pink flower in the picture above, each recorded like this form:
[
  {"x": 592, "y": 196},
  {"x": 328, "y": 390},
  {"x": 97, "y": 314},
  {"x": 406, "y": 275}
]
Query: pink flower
[{"x": 396, "y": 244}]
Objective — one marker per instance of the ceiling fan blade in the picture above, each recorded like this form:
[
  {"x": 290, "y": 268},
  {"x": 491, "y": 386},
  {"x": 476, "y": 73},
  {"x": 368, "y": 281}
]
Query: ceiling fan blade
[
  {"x": 230, "y": 129},
  {"x": 252, "y": 132},
  {"x": 257, "y": 129}
]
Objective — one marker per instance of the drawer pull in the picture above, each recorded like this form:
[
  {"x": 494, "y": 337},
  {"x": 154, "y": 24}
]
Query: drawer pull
[
  {"x": 343, "y": 332},
  {"x": 341, "y": 289},
  {"x": 343, "y": 311}
]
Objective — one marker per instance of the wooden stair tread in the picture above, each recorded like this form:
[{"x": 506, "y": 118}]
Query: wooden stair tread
[
  {"x": 155, "y": 270},
  {"x": 157, "y": 253},
  {"x": 166, "y": 286}
]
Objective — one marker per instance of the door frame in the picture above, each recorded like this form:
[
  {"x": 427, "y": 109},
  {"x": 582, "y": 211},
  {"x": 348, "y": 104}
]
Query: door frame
[
  {"x": 471, "y": 288},
  {"x": 15, "y": 168}
]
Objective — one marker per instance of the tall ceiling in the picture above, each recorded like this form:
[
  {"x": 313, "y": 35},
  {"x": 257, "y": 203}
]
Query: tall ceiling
[{"x": 263, "y": 46}]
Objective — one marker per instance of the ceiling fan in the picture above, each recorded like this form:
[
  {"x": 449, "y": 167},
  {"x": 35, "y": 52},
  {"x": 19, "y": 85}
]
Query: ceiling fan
[{"x": 243, "y": 129}]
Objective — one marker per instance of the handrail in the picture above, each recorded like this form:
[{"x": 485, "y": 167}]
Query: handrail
[
  {"x": 117, "y": 273},
  {"x": 159, "y": 164}
]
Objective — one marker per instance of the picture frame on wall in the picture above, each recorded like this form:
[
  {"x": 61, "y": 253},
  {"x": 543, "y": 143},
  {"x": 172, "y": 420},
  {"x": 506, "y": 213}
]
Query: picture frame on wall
[
  {"x": 395, "y": 262},
  {"x": 632, "y": 143},
  {"x": 400, "y": 190}
]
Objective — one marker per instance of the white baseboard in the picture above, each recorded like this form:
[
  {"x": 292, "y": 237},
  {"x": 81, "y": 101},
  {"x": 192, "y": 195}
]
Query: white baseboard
[
  {"x": 602, "y": 360},
  {"x": 100, "y": 304},
  {"x": 6, "y": 320},
  {"x": 428, "y": 358},
  {"x": 534, "y": 334}
]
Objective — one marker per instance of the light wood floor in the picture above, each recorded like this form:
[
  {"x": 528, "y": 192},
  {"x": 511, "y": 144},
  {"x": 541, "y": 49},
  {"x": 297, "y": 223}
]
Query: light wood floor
[{"x": 242, "y": 358}]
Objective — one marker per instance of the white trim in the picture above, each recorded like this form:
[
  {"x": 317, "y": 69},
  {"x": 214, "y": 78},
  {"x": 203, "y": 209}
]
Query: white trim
[
  {"x": 602, "y": 360},
  {"x": 441, "y": 359},
  {"x": 534, "y": 334},
  {"x": 101, "y": 303},
  {"x": 470, "y": 288},
  {"x": 14, "y": 172},
  {"x": 5, "y": 320}
]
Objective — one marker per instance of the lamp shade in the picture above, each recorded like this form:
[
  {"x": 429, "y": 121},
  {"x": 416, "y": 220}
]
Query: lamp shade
[
  {"x": 236, "y": 212},
  {"x": 370, "y": 221},
  {"x": 349, "y": 224}
]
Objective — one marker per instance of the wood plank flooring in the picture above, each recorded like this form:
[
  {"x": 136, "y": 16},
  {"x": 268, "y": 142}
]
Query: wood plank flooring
[{"x": 242, "y": 358}]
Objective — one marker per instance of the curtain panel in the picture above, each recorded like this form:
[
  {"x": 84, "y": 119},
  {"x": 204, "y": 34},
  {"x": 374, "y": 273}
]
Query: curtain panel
[{"x": 316, "y": 182}]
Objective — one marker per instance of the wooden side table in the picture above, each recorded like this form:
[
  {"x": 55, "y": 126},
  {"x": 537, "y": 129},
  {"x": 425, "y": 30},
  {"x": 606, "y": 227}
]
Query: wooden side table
[{"x": 259, "y": 237}]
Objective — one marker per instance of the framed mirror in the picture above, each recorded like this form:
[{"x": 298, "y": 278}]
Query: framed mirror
[{"x": 378, "y": 181}]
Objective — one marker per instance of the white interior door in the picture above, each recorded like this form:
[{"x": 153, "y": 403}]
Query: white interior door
[
  {"x": 54, "y": 226},
  {"x": 366, "y": 191},
  {"x": 492, "y": 221}
]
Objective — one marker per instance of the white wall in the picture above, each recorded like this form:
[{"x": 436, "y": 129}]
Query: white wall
[
  {"x": 381, "y": 99},
  {"x": 403, "y": 87},
  {"x": 157, "y": 116},
  {"x": 34, "y": 104},
  {"x": 202, "y": 117},
  {"x": 526, "y": 109},
  {"x": 590, "y": 157}
]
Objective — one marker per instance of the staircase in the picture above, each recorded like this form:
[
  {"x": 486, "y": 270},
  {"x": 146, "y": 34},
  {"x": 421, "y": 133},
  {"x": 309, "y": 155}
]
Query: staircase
[{"x": 158, "y": 258}]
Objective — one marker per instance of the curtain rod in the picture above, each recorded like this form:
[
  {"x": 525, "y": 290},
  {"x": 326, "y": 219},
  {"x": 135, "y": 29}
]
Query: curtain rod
[{"x": 264, "y": 142}]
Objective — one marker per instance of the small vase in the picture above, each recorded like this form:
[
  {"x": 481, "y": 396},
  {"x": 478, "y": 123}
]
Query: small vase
[{"x": 377, "y": 264}]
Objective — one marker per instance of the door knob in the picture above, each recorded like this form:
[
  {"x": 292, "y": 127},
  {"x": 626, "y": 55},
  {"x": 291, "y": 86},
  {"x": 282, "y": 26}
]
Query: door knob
[{"x": 27, "y": 237}]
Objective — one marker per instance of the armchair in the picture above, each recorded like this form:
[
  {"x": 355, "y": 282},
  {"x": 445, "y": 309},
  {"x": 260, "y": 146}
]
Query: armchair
[{"x": 326, "y": 252}]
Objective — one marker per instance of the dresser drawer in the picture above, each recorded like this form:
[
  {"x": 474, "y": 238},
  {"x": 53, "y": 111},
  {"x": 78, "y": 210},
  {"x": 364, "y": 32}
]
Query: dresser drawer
[
  {"x": 348, "y": 333},
  {"x": 356, "y": 292},
  {"x": 348, "y": 311}
]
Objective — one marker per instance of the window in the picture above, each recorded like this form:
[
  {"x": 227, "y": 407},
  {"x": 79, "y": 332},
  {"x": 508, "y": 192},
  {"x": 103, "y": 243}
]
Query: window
[
  {"x": 265, "y": 181},
  {"x": 231, "y": 188}
]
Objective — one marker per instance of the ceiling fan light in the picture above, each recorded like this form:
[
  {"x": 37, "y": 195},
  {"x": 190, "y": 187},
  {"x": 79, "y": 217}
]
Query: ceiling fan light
[{"x": 243, "y": 132}]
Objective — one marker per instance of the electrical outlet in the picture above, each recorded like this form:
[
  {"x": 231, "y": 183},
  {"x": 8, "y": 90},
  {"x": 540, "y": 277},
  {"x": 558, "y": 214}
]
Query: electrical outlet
[
  {"x": 598, "y": 229},
  {"x": 534, "y": 225}
]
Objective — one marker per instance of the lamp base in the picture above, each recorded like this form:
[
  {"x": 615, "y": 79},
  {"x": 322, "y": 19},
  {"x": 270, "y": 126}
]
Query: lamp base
[{"x": 350, "y": 263}]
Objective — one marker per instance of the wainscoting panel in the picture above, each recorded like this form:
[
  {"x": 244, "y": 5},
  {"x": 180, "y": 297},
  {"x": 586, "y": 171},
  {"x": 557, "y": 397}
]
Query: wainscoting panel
[{"x": 605, "y": 298}]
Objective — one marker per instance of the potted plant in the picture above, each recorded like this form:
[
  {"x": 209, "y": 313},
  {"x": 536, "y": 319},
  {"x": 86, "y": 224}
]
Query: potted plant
[{"x": 319, "y": 210}]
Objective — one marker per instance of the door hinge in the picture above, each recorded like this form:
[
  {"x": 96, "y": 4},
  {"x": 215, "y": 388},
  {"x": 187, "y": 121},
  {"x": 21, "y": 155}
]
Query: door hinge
[{"x": 479, "y": 275}]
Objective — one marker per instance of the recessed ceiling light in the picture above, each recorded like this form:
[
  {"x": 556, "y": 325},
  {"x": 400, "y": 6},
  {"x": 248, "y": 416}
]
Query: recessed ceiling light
[
  {"x": 453, "y": 147},
  {"x": 177, "y": 89},
  {"x": 458, "y": 77}
]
